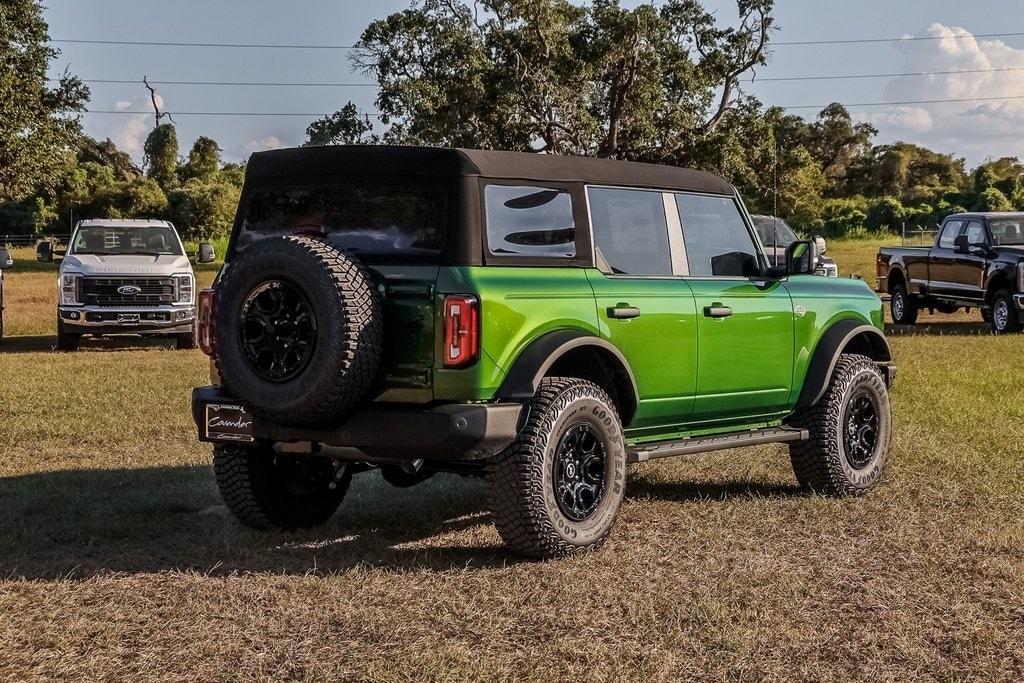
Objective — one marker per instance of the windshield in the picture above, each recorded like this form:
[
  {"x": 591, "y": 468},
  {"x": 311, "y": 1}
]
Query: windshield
[
  {"x": 103, "y": 240},
  {"x": 1007, "y": 230},
  {"x": 767, "y": 225},
  {"x": 362, "y": 218}
]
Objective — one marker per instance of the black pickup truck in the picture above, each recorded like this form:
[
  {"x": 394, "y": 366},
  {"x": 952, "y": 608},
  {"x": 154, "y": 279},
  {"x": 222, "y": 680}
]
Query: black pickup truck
[{"x": 977, "y": 261}]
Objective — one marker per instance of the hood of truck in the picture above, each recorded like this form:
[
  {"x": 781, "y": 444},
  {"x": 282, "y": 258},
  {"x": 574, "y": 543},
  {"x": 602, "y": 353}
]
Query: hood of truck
[{"x": 128, "y": 264}]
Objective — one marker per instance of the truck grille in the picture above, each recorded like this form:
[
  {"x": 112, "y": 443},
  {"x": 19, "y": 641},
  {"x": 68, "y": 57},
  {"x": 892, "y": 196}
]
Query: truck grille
[{"x": 103, "y": 291}]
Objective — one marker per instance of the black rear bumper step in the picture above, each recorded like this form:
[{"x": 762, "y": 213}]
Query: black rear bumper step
[{"x": 718, "y": 442}]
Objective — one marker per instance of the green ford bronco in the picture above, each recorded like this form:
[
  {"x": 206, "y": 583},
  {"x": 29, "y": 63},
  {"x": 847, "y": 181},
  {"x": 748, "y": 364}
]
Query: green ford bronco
[{"x": 538, "y": 321}]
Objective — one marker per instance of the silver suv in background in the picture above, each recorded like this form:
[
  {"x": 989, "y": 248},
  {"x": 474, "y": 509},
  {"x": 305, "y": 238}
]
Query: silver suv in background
[
  {"x": 122, "y": 277},
  {"x": 776, "y": 235}
]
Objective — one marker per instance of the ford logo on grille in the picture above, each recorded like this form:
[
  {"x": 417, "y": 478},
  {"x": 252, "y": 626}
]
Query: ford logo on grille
[{"x": 129, "y": 290}]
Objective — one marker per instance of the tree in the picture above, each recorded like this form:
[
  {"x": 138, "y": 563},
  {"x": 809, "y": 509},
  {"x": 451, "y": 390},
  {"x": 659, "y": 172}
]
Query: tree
[
  {"x": 343, "y": 127},
  {"x": 838, "y": 144},
  {"x": 203, "y": 161},
  {"x": 204, "y": 209},
  {"x": 161, "y": 153},
  {"x": 38, "y": 132},
  {"x": 548, "y": 75},
  {"x": 993, "y": 199}
]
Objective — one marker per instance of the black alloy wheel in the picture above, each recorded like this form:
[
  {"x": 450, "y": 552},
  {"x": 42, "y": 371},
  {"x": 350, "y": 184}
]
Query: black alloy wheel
[
  {"x": 278, "y": 331},
  {"x": 579, "y": 472},
  {"x": 860, "y": 429}
]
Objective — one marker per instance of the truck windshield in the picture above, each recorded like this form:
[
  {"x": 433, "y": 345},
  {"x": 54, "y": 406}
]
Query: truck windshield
[
  {"x": 774, "y": 231},
  {"x": 1008, "y": 230},
  {"x": 102, "y": 240},
  {"x": 366, "y": 218}
]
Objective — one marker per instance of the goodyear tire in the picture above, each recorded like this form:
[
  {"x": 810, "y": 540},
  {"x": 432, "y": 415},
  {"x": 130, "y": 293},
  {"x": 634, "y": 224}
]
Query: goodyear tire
[
  {"x": 903, "y": 307},
  {"x": 265, "y": 490},
  {"x": 1004, "y": 318},
  {"x": 557, "y": 489},
  {"x": 849, "y": 429},
  {"x": 297, "y": 330}
]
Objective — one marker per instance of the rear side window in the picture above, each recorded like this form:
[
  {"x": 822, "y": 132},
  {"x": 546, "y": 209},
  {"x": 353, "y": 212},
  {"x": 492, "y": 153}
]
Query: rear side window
[
  {"x": 947, "y": 240},
  {"x": 363, "y": 218},
  {"x": 529, "y": 221},
  {"x": 630, "y": 230},
  {"x": 716, "y": 237}
]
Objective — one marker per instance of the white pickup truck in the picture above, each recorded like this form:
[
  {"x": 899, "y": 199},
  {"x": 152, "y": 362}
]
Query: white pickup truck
[
  {"x": 6, "y": 261},
  {"x": 125, "y": 277}
]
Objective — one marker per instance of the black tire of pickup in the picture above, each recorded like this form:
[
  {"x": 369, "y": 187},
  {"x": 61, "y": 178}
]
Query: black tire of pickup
[
  {"x": 347, "y": 340},
  {"x": 845, "y": 455},
  {"x": 67, "y": 341},
  {"x": 903, "y": 307},
  {"x": 186, "y": 342},
  {"x": 1005, "y": 318},
  {"x": 267, "y": 491},
  {"x": 522, "y": 479}
]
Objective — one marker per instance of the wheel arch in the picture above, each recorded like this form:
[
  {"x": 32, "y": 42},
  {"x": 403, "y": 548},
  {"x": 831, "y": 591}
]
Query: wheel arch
[
  {"x": 998, "y": 279},
  {"x": 573, "y": 353},
  {"x": 896, "y": 275},
  {"x": 845, "y": 336}
]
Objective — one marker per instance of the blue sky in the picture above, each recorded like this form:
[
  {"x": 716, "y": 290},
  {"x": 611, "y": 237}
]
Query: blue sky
[{"x": 975, "y": 129}]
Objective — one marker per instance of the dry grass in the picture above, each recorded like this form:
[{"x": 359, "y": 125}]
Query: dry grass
[{"x": 120, "y": 563}]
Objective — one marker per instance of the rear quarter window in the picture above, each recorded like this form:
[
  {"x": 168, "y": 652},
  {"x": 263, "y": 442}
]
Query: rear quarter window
[{"x": 526, "y": 220}]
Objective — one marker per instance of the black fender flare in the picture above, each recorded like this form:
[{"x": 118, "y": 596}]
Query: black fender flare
[
  {"x": 523, "y": 378},
  {"x": 833, "y": 343}
]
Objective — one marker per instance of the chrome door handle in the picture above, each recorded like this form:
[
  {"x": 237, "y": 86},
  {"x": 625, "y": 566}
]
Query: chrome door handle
[
  {"x": 717, "y": 310},
  {"x": 623, "y": 312}
]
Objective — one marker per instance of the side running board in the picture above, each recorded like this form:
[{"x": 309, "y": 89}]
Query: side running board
[{"x": 718, "y": 442}]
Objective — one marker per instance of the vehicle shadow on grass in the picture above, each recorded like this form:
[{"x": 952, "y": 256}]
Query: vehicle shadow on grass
[
  {"x": 77, "y": 524},
  {"x": 949, "y": 329},
  {"x": 44, "y": 343}
]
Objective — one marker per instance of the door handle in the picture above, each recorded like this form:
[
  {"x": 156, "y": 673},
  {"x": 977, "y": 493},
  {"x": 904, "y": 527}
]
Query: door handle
[
  {"x": 717, "y": 310},
  {"x": 623, "y": 312}
]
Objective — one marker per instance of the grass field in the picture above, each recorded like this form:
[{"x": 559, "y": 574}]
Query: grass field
[{"x": 117, "y": 560}]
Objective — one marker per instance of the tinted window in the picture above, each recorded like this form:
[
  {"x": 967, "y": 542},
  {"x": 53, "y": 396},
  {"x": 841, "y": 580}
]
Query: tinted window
[
  {"x": 1008, "y": 231},
  {"x": 371, "y": 218},
  {"x": 529, "y": 221},
  {"x": 975, "y": 233},
  {"x": 949, "y": 233},
  {"x": 631, "y": 231},
  {"x": 716, "y": 238}
]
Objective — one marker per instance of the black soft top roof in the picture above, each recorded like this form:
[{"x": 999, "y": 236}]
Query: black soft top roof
[{"x": 444, "y": 162}]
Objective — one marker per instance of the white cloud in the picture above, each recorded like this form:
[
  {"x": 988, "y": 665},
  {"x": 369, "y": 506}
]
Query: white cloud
[
  {"x": 127, "y": 131},
  {"x": 261, "y": 145},
  {"x": 973, "y": 129}
]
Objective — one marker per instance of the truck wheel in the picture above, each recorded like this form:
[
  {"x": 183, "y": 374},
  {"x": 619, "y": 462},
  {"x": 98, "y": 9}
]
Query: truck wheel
[
  {"x": 185, "y": 342},
  {"x": 67, "y": 341},
  {"x": 557, "y": 489},
  {"x": 1005, "y": 318},
  {"x": 265, "y": 490},
  {"x": 903, "y": 306},
  {"x": 849, "y": 431},
  {"x": 298, "y": 330}
]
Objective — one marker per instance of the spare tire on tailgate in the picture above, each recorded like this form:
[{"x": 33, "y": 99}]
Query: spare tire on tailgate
[{"x": 297, "y": 330}]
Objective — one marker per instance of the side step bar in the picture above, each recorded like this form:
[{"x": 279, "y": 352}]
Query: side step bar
[{"x": 718, "y": 442}]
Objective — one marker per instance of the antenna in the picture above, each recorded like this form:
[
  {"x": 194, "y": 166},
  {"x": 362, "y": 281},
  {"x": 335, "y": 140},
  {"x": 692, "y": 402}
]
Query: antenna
[{"x": 775, "y": 197}]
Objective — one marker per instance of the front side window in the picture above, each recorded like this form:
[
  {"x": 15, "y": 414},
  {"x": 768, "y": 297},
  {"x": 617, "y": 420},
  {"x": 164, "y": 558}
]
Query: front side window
[
  {"x": 149, "y": 240},
  {"x": 947, "y": 240},
  {"x": 630, "y": 230},
  {"x": 975, "y": 234},
  {"x": 367, "y": 218},
  {"x": 529, "y": 221},
  {"x": 716, "y": 237}
]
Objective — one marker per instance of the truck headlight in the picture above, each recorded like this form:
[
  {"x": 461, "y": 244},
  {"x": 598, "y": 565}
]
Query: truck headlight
[
  {"x": 69, "y": 289},
  {"x": 186, "y": 287}
]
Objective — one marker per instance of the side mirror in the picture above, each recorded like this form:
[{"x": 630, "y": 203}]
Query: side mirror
[
  {"x": 206, "y": 253},
  {"x": 961, "y": 245},
  {"x": 44, "y": 252},
  {"x": 801, "y": 258},
  {"x": 819, "y": 243},
  {"x": 6, "y": 260}
]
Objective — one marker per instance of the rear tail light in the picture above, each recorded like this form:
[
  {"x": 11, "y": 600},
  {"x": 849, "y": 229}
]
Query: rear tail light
[
  {"x": 204, "y": 327},
  {"x": 461, "y": 330},
  {"x": 881, "y": 267}
]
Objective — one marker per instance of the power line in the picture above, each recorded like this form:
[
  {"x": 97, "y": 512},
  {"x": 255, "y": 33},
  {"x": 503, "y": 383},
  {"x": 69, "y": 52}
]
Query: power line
[
  {"x": 310, "y": 46},
  {"x": 900, "y": 74},
  {"x": 136, "y": 81},
  {"x": 377, "y": 115}
]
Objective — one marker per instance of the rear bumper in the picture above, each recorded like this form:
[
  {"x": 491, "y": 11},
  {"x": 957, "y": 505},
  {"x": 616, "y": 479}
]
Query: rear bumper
[{"x": 459, "y": 431}]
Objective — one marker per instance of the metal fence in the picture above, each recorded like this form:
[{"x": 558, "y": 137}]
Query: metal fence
[
  {"x": 31, "y": 240},
  {"x": 913, "y": 235}
]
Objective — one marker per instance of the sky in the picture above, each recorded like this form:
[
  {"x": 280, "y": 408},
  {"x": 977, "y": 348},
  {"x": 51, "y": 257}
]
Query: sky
[{"x": 976, "y": 129}]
